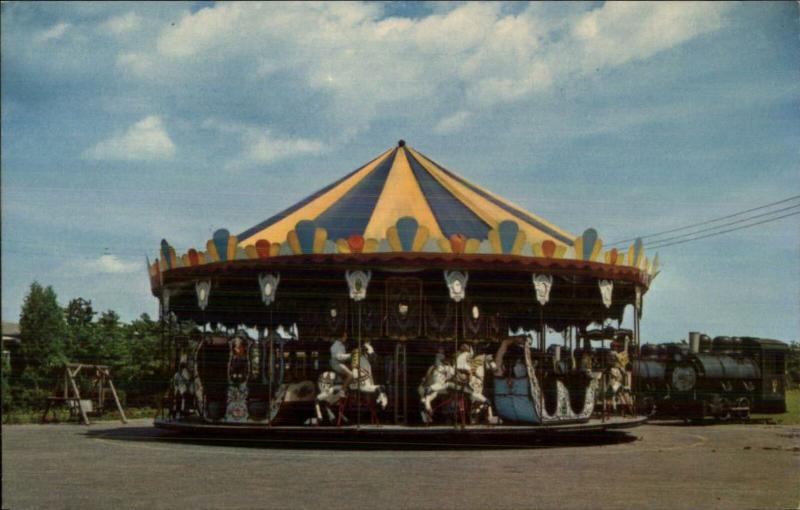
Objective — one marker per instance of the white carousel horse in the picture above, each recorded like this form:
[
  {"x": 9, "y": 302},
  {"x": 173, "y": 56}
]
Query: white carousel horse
[
  {"x": 330, "y": 385},
  {"x": 467, "y": 376},
  {"x": 617, "y": 393},
  {"x": 187, "y": 389}
]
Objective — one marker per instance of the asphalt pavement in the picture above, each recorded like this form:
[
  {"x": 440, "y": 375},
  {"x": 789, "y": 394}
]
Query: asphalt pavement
[{"x": 670, "y": 466}]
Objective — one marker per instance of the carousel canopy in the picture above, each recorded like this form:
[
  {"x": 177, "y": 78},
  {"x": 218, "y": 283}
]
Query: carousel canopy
[
  {"x": 408, "y": 225},
  {"x": 399, "y": 183},
  {"x": 402, "y": 208}
]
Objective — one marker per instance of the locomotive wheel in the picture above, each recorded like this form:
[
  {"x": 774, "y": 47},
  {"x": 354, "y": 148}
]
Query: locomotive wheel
[
  {"x": 744, "y": 404},
  {"x": 647, "y": 406},
  {"x": 725, "y": 406}
]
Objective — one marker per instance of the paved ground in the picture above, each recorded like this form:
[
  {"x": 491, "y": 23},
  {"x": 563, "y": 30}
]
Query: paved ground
[{"x": 135, "y": 466}]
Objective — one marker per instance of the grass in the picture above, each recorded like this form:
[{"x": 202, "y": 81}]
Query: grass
[
  {"x": 62, "y": 415},
  {"x": 792, "y": 414},
  {"x": 790, "y": 417}
]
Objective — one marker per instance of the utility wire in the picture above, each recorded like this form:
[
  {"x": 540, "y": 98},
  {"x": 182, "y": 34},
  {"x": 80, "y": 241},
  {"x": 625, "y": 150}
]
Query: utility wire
[
  {"x": 706, "y": 222},
  {"x": 127, "y": 251},
  {"x": 708, "y": 229},
  {"x": 655, "y": 246}
]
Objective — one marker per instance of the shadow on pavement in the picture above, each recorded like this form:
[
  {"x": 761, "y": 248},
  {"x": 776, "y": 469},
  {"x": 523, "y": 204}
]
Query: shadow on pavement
[
  {"x": 708, "y": 422},
  {"x": 383, "y": 442}
]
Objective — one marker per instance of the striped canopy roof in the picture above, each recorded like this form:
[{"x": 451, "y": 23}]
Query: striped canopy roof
[
  {"x": 399, "y": 183},
  {"x": 403, "y": 204}
]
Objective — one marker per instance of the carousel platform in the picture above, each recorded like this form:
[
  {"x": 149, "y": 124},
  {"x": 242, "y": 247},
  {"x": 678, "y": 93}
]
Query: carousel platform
[{"x": 439, "y": 434}]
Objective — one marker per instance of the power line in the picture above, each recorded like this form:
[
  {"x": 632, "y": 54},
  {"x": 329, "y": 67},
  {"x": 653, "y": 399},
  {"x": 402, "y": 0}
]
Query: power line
[
  {"x": 92, "y": 250},
  {"x": 652, "y": 247},
  {"x": 706, "y": 222},
  {"x": 770, "y": 213}
]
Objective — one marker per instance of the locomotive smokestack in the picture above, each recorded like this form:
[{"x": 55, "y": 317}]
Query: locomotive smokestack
[{"x": 694, "y": 341}]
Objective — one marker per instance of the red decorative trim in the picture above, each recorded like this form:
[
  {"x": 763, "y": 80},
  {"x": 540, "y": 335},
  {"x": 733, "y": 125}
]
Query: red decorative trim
[{"x": 470, "y": 262}]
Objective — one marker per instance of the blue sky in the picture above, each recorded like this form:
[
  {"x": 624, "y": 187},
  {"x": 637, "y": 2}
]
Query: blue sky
[{"x": 125, "y": 123}]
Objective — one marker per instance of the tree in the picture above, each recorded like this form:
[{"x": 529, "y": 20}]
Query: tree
[
  {"x": 6, "y": 384},
  {"x": 793, "y": 363},
  {"x": 81, "y": 344},
  {"x": 42, "y": 335},
  {"x": 140, "y": 374},
  {"x": 79, "y": 312},
  {"x": 52, "y": 336},
  {"x": 109, "y": 340}
]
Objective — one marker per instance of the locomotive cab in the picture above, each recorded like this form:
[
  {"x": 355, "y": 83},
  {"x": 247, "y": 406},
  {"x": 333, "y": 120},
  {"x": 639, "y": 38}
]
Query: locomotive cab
[{"x": 770, "y": 355}]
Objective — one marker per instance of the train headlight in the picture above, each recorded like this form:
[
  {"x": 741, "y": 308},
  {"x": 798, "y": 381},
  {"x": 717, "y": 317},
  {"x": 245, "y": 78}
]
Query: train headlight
[{"x": 683, "y": 378}]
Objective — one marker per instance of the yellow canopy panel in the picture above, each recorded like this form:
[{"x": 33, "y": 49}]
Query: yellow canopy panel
[{"x": 399, "y": 183}]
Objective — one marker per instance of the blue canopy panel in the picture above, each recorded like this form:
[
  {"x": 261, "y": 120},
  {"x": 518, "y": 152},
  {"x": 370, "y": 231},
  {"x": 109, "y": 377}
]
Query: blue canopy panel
[
  {"x": 351, "y": 213},
  {"x": 451, "y": 214},
  {"x": 299, "y": 205},
  {"x": 512, "y": 210}
]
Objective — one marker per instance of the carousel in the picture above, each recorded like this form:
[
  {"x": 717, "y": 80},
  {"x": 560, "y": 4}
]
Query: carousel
[{"x": 400, "y": 299}]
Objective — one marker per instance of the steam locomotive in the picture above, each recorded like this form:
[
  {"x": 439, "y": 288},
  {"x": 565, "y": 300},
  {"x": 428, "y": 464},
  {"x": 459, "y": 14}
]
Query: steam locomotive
[{"x": 721, "y": 378}]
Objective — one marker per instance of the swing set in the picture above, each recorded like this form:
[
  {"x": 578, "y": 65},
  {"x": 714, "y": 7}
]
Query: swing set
[{"x": 101, "y": 385}]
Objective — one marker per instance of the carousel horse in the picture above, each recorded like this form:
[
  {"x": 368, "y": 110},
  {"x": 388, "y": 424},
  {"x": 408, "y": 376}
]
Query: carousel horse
[
  {"x": 331, "y": 392},
  {"x": 617, "y": 392},
  {"x": 465, "y": 375},
  {"x": 187, "y": 389}
]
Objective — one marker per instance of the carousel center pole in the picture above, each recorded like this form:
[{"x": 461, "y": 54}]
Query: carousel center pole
[
  {"x": 205, "y": 331},
  {"x": 455, "y": 338},
  {"x": 542, "y": 342},
  {"x": 636, "y": 340},
  {"x": 358, "y": 369},
  {"x": 459, "y": 391},
  {"x": 271, "y": 373},
  {"x": 161, "y": 346}
]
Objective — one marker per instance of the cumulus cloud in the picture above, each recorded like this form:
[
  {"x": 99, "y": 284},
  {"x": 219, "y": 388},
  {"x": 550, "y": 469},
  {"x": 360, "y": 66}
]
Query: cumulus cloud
[
  {"x": 362, "y": 62},
  {"x": 620, "y": 32},
  {"x": 146, "y": 140},
  {"x": 338, "y": 68},
  {"x": 137, "y": 63},
  {"x": 53, "y": 33},
  {"x": 261, "y": 145},
  {"x": 453, "y": 123},
  {"x": 111, "y": 264},
  {"x": 122, "y": 24}
]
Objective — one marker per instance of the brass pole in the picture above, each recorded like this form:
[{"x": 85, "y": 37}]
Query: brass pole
[
  {"x": 271, "y": 336},
  {"x": 358, "y": 368}
]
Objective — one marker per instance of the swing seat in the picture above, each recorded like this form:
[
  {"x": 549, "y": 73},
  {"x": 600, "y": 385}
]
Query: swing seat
[
  {"x": 76, "y": 405},
  {"x": 73, "y": 404}
]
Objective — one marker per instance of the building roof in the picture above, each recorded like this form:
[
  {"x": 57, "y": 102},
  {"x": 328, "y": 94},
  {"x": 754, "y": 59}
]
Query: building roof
[
  {"x": 10, "y": 333},
  {"x": 10, "y": 329}
]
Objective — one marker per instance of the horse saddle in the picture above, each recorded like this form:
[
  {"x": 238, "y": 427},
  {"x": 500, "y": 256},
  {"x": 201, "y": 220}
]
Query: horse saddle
[
  {"x": 462, "y": 377},
  {"x": 339, "y": 379}
]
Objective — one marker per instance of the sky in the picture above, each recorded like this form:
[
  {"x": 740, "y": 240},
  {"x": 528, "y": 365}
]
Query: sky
[{"x": 125, "y": 123}]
